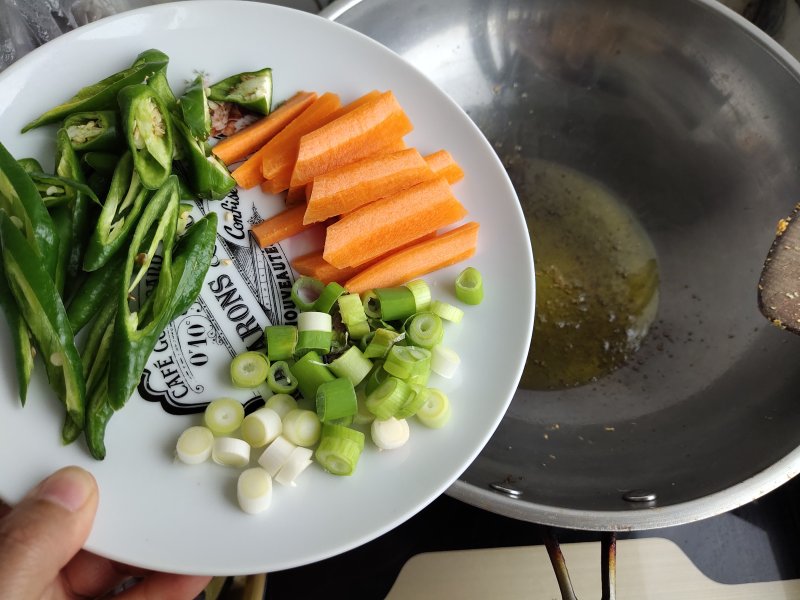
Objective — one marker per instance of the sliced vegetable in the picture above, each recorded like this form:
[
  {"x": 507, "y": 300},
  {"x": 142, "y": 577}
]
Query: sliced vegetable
[
  {"x": 261, "y": 427},
  {"x": 395, "y": 303},
  {"x": 251, "y": 90},
  {"x": 381, "y": 226},
  {"x": 469, "y": 286},
  {"x": 385, "y": 400},
  {"x": 444, "y": 361},
  {"x": 352, "y": 365},
  {"x": 246, "y": 141},
  {"x": 339, "y": 449},
  {"x": 313, "y": 265},
  {"x": 277, "y": 228},
  {"x": 336, "y": 400},
  {"x": 276, "y": 455},
  {"x": 280, "y": 379},
  {"x": 93, "y": 131},
  {"x": 430, "y": 255},
  {"x": 349, "y": 187},
  {"x": 249, "y": 369},
  {"x": 425, "y": 329},
  {"x": 301, "y": 427},
  {"x": 363, "y": 416},
  {"x": 405, "y": 361},
  {"x": 280, "y": 340},
  {"x": 299, "y": 460},
  {"x": 230, "y": 452},
  {"x": 20, "y": 336},
  {"x": 422, "y": 294},
  {"x": 223, "y": 416},
  {"x": 435, "y": 411},
  {"x": 446, "y": 311},
  {"x": 381, "y": 342},
  {"x": 206, "y": 175},
  {"x": 389, "y": 434},
  {"x": 305, "y": 293},
  {"x": 281, "y": 404},
  {"x": 194, "y": 109},
  {"x": 327, "y": 299},
  {"x": 351, "y": 137},
  {"x": 443, "y": 164},
  {"x": 194, "y": 445},
  {"x": 254, "y": 490},
  {"x": 310, "y": 372}
]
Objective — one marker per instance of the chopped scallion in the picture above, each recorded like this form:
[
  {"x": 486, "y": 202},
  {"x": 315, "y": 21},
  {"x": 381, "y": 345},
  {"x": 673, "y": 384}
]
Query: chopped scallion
[
  {"x": 301, "y": 427},
  {"x": 372, "y": 306},
  {"x": 319, "y": 341},
  {"x": 336, "y": 400},
  {"x": 314, "y": 321},
  {"x": 405, "y": 361},
  {"x": 254, "y": 490},
  {"x": 281, "y": 403},
  {"x": 422, "y": 294},
  {"x": 249, "y": 369},
  {"x": 389, "y": 434},
  {"x": 280, "y": 379},
  {"x": 305, "y": 292},
  {"x": 276, "y": 455},
  {"x": 444, "y": 361},
  {"x": 261, "y": 427},
  {"x": 447, "y": 311},
  {"x": 396, "y": 303},
  {"x": 310, "y": 371},
  {"x": 298, "y": 461},
  {"x": 385, "y": 400},
  {"x": 469, "y": 286},
  {"x": 230, "y": 452},
  {"x": 425, "y": 329},
  {"x": 327, "y": 299},
  {"x": 339, "y": 449},
  {"x": 380, "y": 343},
  {"x": 435, "y": 411},
  {"x": 351, "y": 364},
  {"x": 194, "y": 445},
  {"x": 281, "y": 341},
  {"x": 224, "y": 415}
]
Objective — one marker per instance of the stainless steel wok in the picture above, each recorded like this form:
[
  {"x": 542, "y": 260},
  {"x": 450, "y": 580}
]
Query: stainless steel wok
[{"x": 688, "y": 115}]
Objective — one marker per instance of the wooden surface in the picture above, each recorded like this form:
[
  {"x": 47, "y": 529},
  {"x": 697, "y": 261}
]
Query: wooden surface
[{"x": 647, "y": 569}]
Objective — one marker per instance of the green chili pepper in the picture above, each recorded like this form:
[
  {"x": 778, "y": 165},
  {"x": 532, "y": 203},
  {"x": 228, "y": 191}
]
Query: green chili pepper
[
  {"x": 194, "y": 110},
  {"x": 20, "y": 336},
  {"x": 94, "y": 293},
  {"x": 148, "y": 131},
  {"x": 67, "y": 165},
  {"x": 93, "y": 130},
  {"x": 98, "y": 414},
  {"x": 103, "y": 94},
  {"x": 57, "y": 191},
  {"x": 99, "y": 183},
  {"x": 21, "y": 200},
  {"x": 251, "y": 90},
  {"x": 158, "y": 81},
  {"x": 124, "y": 202},
  {"x": 41, "y": 306},
  {"x": 103, "y": 162},
  {"x": 135, "y": 334},
  {"x": 190, "y": 262},
  {"x": 30, "y": 165},
  {"x": 207, "y": 176}
]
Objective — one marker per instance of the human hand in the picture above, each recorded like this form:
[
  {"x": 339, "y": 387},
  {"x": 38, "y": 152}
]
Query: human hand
[{"x": 40, "y": 548}]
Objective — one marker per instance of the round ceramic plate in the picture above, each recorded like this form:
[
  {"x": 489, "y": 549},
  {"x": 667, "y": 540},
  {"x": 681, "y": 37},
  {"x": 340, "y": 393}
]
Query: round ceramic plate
[{"x": 160, "y": 514}]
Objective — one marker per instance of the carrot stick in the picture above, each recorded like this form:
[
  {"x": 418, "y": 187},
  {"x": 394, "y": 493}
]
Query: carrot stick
[
  {"x": 251, "y": 138},
  {"x": 314, "y": 265},
  {"x": 385, "y": 224},
  {"x": 347, "y": 188},
  {"x": 360, "y": 101},
  {"x": 281, "y": 151},
  {"x": 296, "y": 195},
  {"x": 424, "y": 257},
  {"x": 351, "y": 137},
  {"x": 283, "y": 225},
  {"x": 442, "y": 163}
]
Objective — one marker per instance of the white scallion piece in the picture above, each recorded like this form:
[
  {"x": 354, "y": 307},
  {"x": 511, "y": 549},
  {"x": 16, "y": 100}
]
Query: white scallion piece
[
  {"x": 194, "y": 445},
  {"x": 254, "y": 490},
  {"x": 314, "y": 321},
  {"x": 224, "y": 415},
  {"x": 390, "y": 433},
  {"x": 298, "y": 462},
  {"x": 444, "y": 361},
  {"x": 302, "y": 427},
  {"x": 435, "y": 412},
  {"x": 230, "y": 452},
  {"x": 261, "y": 427},
  {"x": 281, "y": 404},
  {"x": 363, "y": 416},
  {"x": 276, "y": 455}
]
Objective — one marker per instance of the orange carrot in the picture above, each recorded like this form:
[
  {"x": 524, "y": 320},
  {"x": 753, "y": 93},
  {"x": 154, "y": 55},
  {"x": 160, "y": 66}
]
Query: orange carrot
[
  {"x": 419, "y": 259},
  {"x": 283, "y": 225},
  {"x": 442, "y": 163},
  {"x": 351, "y": 137},
  {"x": 360, "y": 101},
  {"x": 347, "y": 188},
  {"x": 251, "y": 138},
  {"x": 281, "y": 151},
  {"x": 296, "y": 195},
  {"x": 385, "y": 224},
  {"x": 314, "y": 265}
]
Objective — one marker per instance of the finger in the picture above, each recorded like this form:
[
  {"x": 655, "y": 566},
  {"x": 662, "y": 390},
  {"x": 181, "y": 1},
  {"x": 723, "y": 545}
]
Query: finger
[
  {"x": 89, "y": 575},
  {"x": 44, "y": 531},
  {"x": 165, "y": 585}
]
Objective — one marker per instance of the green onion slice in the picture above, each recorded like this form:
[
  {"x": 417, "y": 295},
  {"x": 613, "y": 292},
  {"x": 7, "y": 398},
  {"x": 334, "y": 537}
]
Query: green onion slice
[
  {"x": 224, "y": 415},
  {"x": 469, "y": 286},
  {"x": 444, "y": 361},
  {"x": 314, "y": 321},
  {"x": 363, "y": 416},
  {"x": 318, "y": 341},
  {"x": 396, "y": 303},
  {"x": 388, "y": 397},
  {"x": 299, "y": 460},
  {"x": 261, "y": 427},
  {"x": 447, "y": 311},
  {"x": 389, "y": 434},
  {"x": 276, "y": 455},
  {"x": 249, "y": 369},
  {"x": 194, "y": 445},
  {"x": 380, "y": 343},
  {"x": 281, "y": 403},
  {"x": 376, "y": 377},
  {"x": 372, "y": 306},
  {"x": 425, "y": 329},
  {"x": 301, "y": 427},
  {"x": 351, "y": 364},
  {"x": 254, "y": 490},
  {"x": 339, "y": 449},
  {"x": 305, "y": 292},
  {"x": 327, "y": 299},
  {"x": 435, "y": 411},
  {"x": 310, "y": 372},
  {"x": 280, "y": 378},
  {"x": 281, "y": 341},
  {"x": 405, "y": 361},
  {"x": 422, "y": 294},
  {"x": 336, "y": 400}
]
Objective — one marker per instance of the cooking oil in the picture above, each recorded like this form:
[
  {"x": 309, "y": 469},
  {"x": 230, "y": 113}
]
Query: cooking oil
[{"x": 596, "y": 277}]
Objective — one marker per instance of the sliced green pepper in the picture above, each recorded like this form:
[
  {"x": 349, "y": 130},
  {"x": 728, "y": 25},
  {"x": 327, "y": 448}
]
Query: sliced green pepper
[
  {"x": 93, "y": 130},
  {"x": 44, "y": 313},
  {"x": 98, "y": 413},
  {"x": 207, "y": 176},
  {"x": 135, "y": 334},
  {"x": 103, "y": 94},
  {"x": 21, "y": 200},
  {"x": 158, "y": 81},
  {"x": 252, "y": 90},
  {"x": 31, "y": 165},
  {"x": 124, "y": 202},
  {"x": 103, "y": 162},
  {"x": 57, "y": 191},
  {"x": 190, "y": 262},
  {"x": 95, "y": 292},
  {"x": 194, "y": 109},
  {"x": 148, "y": 131},
  {"x": 20, "y": 336}
]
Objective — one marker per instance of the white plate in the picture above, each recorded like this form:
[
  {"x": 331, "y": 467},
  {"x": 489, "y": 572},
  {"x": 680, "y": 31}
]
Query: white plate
[{"x": 166, "y": 516}]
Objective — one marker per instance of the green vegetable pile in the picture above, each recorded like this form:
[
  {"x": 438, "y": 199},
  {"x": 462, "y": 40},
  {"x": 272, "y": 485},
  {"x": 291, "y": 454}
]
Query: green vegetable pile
[{"x": 76, "y": 243}]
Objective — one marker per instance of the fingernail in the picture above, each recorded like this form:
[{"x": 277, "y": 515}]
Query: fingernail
[{"x": 70, "y": 488}]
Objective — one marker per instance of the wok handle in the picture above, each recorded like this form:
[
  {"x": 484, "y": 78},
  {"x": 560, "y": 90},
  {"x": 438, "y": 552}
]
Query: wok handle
[{"x": 608, "y": 564}]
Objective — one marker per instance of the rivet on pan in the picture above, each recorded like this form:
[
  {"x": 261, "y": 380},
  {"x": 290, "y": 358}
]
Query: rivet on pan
[
  {"x": 639, "y": 496},
  {"x": 504, "y": 489}
]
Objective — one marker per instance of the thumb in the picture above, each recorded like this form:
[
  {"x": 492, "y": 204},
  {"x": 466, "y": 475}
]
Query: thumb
[{"x": 44, "y": 531}]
